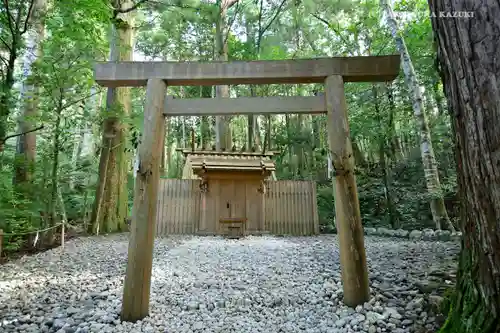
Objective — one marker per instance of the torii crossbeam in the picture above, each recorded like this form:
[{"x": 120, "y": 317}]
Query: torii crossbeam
[{"x": 333, "y": 72}]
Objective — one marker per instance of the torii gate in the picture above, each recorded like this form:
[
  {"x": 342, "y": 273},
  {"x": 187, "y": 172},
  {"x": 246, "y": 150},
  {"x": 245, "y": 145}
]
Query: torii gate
[{"x": 333, "y": 72}]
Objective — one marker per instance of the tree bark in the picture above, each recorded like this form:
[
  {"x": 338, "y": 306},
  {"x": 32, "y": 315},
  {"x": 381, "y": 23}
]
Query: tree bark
[
  {"x": 470, "y": 69},
  {"x": 251, "y": 118},
  {"x": 389, "y": 202},
  {"x": 111, "y": 199},
  {"x": 77, "y": 148},
  {"x": 26, "y": 144},
  {"x": 223, "y": 140},
  {"x": 55, "y": 166},
  {"x": 394, "y": 140},
  {"x": 438, "y": 208},
  {"x": 17, "y": 25}
]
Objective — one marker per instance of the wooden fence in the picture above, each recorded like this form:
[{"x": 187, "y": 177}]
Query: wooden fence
[
  {"x": 178, "y": 206},
  {"x": 290, "y": 207}
]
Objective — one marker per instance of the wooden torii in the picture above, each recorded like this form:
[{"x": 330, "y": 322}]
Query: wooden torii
[{"x": 156, "y": 76}]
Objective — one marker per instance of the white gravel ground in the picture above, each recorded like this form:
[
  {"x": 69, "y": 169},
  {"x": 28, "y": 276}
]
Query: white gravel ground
[{"x": 209, "y": 284}]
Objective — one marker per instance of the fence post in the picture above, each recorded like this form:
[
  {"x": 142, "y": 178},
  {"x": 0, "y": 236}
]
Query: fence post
[
  {"x": 1, "y": 240},
  {"x": 62, "y": 235}
]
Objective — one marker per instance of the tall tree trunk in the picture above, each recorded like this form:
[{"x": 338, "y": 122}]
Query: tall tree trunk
[
  {"x": 438, "y": 97},
  {"x": 88, "y": 141},
  {"x": 163, "y": 156},
  {"x": 223, "y": 140},
  {"x": 77, "y": 149},
  {"x": 253, "y": 126},
  {"x": 359, "y": 156},
  {"x": 204, "y": 91},
  {"x": 6, "y": 95},
  {"x": 251, "y": 118},
  {"x": 289, "y": 144},
  {"x": 55, "y": 166},
  {"x": 299, "y": 146},
  {"x": 256, "y": 134},
  {"x": 111, "y": 201},
  {"x": 26, "y": 144},
  {"x": 470, "y": 69},
  {"x": 394, "y": 140},
  {"x": 16, "y": 25},
  {"x": 78, "y": 145},
  {"x": 438, "y": 208},
  {"x": 168, "y": 146},
  {"x": 269, "y": 123},
  {"x": 393, "y": 220}
]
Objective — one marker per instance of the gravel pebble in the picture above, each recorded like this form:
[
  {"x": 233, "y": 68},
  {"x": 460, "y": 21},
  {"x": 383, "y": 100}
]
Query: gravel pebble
[{"x": 211, "y": 284}]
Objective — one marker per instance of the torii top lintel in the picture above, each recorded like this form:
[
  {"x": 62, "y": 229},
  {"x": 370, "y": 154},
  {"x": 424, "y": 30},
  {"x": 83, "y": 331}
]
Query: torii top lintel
[{"x": 352, "y": 69}]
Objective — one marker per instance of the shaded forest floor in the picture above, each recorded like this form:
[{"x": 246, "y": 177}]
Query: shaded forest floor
[{"x": 27, "y": 248}]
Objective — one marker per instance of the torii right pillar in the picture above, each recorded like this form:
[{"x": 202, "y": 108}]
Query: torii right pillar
[{"x": 347, "y": 213}]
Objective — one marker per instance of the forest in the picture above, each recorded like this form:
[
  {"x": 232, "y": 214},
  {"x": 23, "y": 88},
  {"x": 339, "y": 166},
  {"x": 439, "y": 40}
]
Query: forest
[{"x": 68, "y": 147}]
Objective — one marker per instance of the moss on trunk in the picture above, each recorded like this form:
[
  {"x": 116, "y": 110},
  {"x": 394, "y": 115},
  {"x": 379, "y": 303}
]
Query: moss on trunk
[
  {"x": 468, "y": 312},
  {"x": 111, "y": 201},
  {"x": 470, "y": 68}
]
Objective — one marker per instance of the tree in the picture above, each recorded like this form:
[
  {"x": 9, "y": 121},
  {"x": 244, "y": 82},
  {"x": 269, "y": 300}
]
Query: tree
[
  {"x": 26, "y": 146},
  {"x": 438, "y": 208},
  {"x": 14, "y": 18},
  {"x": 111, "y": 200},
  {"x": 223, "y": 138},
  {"x": 255, "y": 35},
  {"x": 467, "y": 50}
]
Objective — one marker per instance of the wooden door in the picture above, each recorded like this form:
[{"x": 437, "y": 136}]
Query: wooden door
[
  {"x": 232, "y": 199},
  {"x": 226, "y": 194},
  {"x": 238, "y": 206}
]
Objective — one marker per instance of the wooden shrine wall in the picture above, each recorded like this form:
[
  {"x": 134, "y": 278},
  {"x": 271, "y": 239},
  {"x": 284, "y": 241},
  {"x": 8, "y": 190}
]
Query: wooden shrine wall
[{"x": 290, "y": 208}]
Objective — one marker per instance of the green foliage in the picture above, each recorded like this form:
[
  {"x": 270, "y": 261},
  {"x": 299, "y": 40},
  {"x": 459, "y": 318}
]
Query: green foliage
[
  {"x": 381, "y": 121},
  {"x": 326, "y": 205}
]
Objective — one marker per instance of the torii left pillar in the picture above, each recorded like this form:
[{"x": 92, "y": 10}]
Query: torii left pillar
[
  {"x": 136, "y": 290},
  {"x": 353, "y": 266}
]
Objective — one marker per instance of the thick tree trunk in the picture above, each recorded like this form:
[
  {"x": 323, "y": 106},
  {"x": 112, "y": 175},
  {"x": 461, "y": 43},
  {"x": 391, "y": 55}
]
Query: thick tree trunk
[
  {"x": 26, "y": 144},
  {"x": 223, "y": 140},
  {"x": 111, "y": 201},
  {"x": 470, "y": 68},
  {"x": 438, "y": 208}
]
